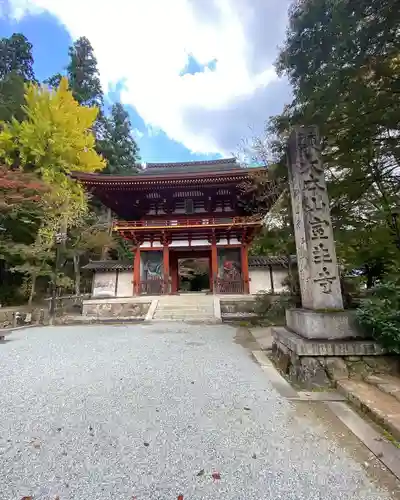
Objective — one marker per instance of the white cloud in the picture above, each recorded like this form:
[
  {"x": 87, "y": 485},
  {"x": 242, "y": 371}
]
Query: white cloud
[{"x": 147, "y": 42}]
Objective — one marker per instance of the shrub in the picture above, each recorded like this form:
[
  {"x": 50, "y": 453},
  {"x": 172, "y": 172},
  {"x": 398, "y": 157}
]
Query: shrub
[
  {"x": 292, "y": 283},
  {"x": 272, "y": 307},
  {"x": 379, "y": 315}
]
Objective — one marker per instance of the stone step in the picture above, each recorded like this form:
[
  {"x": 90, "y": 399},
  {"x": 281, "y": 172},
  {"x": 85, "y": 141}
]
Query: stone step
[
  {"x": 186, "y": 302},
  {"x": 182, "y": 315},
  {"x": 386, "y": 383},
  {"x": 381, "y": 407},
  {"x": 186, "y": 306}
]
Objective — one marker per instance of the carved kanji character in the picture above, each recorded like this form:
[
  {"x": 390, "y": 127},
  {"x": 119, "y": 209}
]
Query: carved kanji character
[
  {"x": 318, "y": 228},
  {"x": 325, "y": 280},
  {"x": 321, "y": 254}
]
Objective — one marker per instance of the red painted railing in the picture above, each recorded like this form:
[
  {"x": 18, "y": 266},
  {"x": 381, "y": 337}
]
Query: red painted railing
[{"x": 206, "y": 221}]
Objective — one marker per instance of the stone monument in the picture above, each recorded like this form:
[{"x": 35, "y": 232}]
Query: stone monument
[{"x": 321, "y": 327}]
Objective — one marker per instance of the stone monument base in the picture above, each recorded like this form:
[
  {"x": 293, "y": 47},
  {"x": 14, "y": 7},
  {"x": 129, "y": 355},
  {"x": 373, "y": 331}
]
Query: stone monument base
[
  {"x": 322, "y": 325},
  {"x": 320, "y": 363}
]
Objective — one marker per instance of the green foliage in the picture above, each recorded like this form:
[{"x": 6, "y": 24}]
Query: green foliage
[
  {"x": 272, "y": 307},
  {"x": 16, "y": 57},
  {"x": 380, "y": 315},
  {"x": 117, "y": 144},
  {"x": 342, "y": 59},
  {"x": 12, "y": 97},
  {"x": 83, "y": 74}
]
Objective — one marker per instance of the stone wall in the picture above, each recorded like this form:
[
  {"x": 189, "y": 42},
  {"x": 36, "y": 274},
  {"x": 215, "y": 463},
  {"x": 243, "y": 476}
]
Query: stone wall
[
  {"x": 115, "y": 309},
  {"x": 237, "y": 309},
  {"x": 324, "y": 371}
]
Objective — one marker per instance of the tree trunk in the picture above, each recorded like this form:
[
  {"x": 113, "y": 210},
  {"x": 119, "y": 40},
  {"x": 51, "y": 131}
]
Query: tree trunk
[
  {"x": 77, "y": 272},
  {"x": 32, "y": 292},
  {"x": 105, "y": 249},
  {"x": 370, "y": 277}
]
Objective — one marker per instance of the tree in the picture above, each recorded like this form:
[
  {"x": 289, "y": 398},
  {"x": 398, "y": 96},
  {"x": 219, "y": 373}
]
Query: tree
[
  {"x": 118, "y": 146},
  {"x": 54, "y": 140},
  {"x": 83, "y": 74},
  {"x": 342, "y": 60},
  {"x": 16, "y": 67},
  {"x": 16, "y": 57},
  {"x": 21, "y": 215},
  {"x": 11, "y": 97},
  {"x": 87, "y": 239}
]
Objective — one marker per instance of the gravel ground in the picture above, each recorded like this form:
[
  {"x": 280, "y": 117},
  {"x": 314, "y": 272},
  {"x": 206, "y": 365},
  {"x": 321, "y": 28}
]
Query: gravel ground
[{"x": 152, "y": 412}]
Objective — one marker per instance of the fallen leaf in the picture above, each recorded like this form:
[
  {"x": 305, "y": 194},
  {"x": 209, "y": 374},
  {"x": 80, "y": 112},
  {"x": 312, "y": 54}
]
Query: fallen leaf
[
  {"x": 36, "y": 443},
  {"x": 216, "y": 475},
  {"x": 26, "y": 498},
  {"x": 180, "y": 497},
  {"x": 200, "y": 473}
]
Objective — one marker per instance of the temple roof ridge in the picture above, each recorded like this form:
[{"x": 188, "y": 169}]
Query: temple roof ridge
[{"x": 220, "y": 161}]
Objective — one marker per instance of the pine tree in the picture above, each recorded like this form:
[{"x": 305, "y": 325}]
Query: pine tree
[{"x": 118, "y": 146}]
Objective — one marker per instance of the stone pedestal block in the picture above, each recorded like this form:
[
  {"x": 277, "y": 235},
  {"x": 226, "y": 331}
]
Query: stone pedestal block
[{"x": 322, "y": 325}]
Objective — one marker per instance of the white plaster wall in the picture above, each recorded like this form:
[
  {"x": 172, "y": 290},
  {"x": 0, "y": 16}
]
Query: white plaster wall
[
  {"x": 125, "y": 285},
  {"x": 179, "y": 243},
  {"x": 279, "y": 276},
  {"x": 224, "y": 241},
  {"x": 200, "y": 243},
  {"x": 104, "y": 284},
  {"x": 259, "y": 280}
]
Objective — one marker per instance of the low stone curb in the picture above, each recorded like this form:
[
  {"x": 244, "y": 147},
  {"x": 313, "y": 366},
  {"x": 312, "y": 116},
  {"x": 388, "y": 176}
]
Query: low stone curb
[
  {"x": 89, "y": 320},
  {"x": 380, "y": 407}
]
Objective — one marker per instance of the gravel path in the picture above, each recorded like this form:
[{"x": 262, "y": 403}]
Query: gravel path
[{"x": 151, "y": 412}]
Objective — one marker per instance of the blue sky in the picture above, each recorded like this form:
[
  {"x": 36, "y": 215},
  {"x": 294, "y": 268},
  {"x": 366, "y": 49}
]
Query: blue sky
[
  {"x": 197, "y": 79},
  {"x": 50, "y": 42}
]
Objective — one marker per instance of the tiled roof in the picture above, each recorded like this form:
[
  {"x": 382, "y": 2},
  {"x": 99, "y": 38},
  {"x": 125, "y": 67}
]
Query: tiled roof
[
  {"x": 254, "y": 261},
  {"x": 264, "y": 261},
  {"x": 223, "y": 165},
  {"x": 108, "y": 265}
]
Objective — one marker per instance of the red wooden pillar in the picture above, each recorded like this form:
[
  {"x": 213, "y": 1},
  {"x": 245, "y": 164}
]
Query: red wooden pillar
[
  {"x": 174, "y": 272},
  {"x": 136, "y": 272},
  {"x": 166, "y": 267},
  {"x": 214, "y": 264},
  {"x": 245, "y": 268}
]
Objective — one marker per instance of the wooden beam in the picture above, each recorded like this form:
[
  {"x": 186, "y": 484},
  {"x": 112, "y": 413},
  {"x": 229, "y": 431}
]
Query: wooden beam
[
  {"x": 245, "y": 268},
  {"x": 136, "y": 272},
  {"x": 214, "y": 262}
]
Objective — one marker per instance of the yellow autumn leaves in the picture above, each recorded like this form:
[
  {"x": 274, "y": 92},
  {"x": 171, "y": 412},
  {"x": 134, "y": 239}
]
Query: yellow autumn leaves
[{"x": 54, "y": 139}]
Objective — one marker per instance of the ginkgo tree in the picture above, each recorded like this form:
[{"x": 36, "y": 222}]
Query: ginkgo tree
[{"x": 53, "y": 140}]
